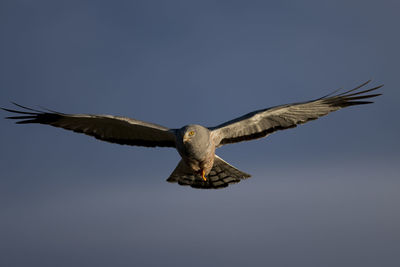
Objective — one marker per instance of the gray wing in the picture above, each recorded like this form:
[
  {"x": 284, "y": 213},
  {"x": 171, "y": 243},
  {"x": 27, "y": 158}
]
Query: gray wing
[
  {"x": 263, "y": 122},
  {"x": 114, "y": 129}
]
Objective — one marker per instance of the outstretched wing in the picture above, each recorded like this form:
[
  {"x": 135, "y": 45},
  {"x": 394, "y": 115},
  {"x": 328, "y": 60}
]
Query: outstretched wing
[
  {"x": 261, "y": 123},
  {"x": 114, "y": 129}
]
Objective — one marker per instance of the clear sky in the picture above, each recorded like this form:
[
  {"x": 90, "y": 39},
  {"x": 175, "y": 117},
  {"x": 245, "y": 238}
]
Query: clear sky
[{"x": 323, "y": 194}]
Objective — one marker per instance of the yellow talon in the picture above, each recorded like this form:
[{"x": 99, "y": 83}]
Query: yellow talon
[{"x": 203, "y": 175}]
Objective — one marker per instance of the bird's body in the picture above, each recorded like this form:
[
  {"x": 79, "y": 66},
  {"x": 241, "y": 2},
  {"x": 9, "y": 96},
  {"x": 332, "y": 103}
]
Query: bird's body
[
  {"x": 196, "y": 144},
  {"x": 197, "y": 151}
]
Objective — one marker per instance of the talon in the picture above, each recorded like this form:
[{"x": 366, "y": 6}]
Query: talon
[{"x": 203, "y": 175}]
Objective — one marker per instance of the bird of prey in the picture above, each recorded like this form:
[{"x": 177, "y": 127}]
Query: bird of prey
[{"x": 199, "y": 167}]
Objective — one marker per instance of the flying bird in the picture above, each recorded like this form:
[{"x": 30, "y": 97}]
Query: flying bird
[{"x": 199, "y": 167}]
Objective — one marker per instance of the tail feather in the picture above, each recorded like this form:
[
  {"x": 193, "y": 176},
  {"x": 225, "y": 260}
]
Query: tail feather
[{"x": 221, "y": 175}]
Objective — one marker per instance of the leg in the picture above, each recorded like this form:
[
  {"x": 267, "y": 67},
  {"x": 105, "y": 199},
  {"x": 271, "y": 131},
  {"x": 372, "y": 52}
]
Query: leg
[{"x": 203, "y": 175}]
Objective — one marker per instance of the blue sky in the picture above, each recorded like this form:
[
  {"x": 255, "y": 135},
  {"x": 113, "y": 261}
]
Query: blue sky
[{"x": 322, "y": 194}]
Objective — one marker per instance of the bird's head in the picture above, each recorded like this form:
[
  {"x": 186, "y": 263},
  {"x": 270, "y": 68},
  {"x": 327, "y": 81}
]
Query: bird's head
[
  {"x": 191, "y": 133},
  {"x": 194, "y": 138}
]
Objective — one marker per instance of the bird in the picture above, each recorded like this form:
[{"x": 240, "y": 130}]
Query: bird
[{"x": 199, "y": 166}]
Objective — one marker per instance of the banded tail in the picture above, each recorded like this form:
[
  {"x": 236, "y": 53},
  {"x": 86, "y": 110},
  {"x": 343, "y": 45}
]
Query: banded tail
[{"x": 221, "y": 175}]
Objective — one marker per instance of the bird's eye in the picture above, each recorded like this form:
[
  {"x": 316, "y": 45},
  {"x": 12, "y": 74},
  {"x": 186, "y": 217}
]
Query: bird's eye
[{"x": 191, "y": 133}]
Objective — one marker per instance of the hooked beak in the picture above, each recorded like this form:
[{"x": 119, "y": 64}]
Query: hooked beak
[{"x": 185, "y": 139}]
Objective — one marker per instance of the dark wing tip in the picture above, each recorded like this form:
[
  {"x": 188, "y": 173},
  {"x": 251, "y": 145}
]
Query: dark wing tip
[
  {"x": 352, "y": 97},
  {"x": 30, "y": 115}
]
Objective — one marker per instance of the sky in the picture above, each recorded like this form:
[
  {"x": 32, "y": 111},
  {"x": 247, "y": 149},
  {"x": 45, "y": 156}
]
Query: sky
[{"x": 323, "y": 194}]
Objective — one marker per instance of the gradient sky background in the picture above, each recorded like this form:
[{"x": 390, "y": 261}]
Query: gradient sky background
[{"x": 323, "y": 194}]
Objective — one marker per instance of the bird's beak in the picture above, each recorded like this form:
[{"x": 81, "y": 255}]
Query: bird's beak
[{"x": 185, "y": 139}]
